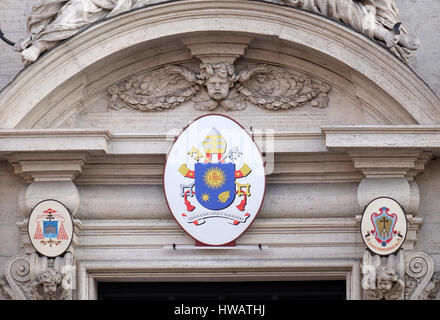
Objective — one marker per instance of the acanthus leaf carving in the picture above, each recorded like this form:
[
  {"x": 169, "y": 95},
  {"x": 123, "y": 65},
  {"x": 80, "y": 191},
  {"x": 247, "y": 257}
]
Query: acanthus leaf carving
[
  {"x": 219, "y": 84},
  {"x": 432, "y": 289}
]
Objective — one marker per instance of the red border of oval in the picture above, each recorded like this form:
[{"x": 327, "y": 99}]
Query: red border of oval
[{"x": 163, "y": 179}]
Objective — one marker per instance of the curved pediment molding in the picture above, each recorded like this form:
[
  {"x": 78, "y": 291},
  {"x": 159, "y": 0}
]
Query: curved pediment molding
[{"x": 123, "y": 44}]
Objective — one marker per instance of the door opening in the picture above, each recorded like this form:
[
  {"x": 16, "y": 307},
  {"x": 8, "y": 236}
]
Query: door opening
[{"x": 258, "y": 290}]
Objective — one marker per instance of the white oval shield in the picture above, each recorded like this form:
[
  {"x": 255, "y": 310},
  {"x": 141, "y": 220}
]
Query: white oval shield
[
  {"x": 214, "y": 180},
  {"x": 383, "y": 226},
  {"x": 50, "y": 228}
]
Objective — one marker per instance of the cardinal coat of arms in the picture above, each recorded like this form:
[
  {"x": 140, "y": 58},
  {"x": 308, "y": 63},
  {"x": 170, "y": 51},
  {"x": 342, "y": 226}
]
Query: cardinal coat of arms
[{"x": 50, "y": 228}]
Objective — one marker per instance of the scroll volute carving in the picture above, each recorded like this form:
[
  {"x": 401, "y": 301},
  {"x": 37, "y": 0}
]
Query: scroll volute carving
[
  {"x": 31, "y": 277},
  {"x": 405, "y": 276},
  {"x": 17, "y": 284},
  {"x": 219, "y": 84},
  {"x": 421, "y": 281}
]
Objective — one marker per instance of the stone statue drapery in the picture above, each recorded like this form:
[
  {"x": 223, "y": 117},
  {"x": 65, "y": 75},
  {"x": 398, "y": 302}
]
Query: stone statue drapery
[
  {"x": 52, "y": 21},
  {"x": 377, "y": 19}
]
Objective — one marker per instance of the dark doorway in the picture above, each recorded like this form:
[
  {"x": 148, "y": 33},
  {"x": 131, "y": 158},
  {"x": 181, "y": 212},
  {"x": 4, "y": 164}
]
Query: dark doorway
[{"x": 258, "y": 290}]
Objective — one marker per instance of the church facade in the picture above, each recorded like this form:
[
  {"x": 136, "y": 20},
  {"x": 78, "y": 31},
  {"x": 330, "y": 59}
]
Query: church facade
[{"x": 325, "y": 89}]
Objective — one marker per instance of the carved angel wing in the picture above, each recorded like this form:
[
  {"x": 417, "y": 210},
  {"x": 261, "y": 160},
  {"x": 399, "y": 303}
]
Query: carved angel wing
[
  {"x": 396, "y": 292},
  {"x": 203, "y": 102},
  {"x": 373, "y": 294},
  {"x": 234, "y": 102},
  {"x": 276, "y": 88},
  {"x": 162, "y": 89}
]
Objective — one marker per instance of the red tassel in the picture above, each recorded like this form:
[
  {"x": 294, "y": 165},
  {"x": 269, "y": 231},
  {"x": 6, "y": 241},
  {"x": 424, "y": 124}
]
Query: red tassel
[
  {"x": 38, "y": 233},
  {"x": 62, "y": 233},
  {"x": 188, "y": 204},
  {"x": 243, "y": 203}
]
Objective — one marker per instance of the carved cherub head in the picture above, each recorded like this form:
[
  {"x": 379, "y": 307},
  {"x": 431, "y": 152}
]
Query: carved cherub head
[
  {"x": 268, "y": 87},
  {"x": 383, "y": 283},
  {"x": 386, "y": 277},
  {"x": 218, "y": 79},
  {"x": 49, "y": 279}
]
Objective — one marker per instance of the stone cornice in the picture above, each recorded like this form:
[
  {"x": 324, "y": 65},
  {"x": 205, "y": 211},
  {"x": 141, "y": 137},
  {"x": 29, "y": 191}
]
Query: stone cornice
[
  {"x": 357, "y": 137},
  {"x": 339, "y": 154},
  {"x": 130, "y": 143},
  {"x": 150, "y": 233},
  {"x": 342, "y": 138},
  {"x": 52, "y": 140},
  {"x": 385, "y": 151}
]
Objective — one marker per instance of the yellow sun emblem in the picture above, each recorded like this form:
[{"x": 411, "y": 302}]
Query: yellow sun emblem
[
  {"x": 205, "y": 197},
  {"x": 214, "y": 178}
]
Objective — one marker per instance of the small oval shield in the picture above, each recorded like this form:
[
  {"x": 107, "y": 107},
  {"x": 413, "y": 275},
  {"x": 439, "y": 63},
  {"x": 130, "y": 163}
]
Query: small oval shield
[
  {"x": 50, "y": 228},
  {"x": 383, "y": 226},
  {"x": 214, "y": 180}
]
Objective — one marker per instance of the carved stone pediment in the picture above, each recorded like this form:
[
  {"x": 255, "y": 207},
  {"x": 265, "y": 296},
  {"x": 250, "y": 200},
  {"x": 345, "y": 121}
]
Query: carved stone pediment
[{"x": 219, "y": 84}]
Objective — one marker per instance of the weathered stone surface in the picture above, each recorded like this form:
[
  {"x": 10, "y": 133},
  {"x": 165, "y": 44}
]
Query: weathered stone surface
[
  {"x": 421, "y": 20},
  {"x": 429, "y": 184},
  {"x": 59, "y": 135},
  {"x": 399, "y": 96},
  {"x": 10, "y": 211},
  {"x": 13, "y": 24}
]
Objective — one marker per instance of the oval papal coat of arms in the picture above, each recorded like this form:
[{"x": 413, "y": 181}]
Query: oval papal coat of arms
[
  {"x": 50, "y": 228},
  {"x": 214, "y": 180},
  {"x": 384, "y": 226}
]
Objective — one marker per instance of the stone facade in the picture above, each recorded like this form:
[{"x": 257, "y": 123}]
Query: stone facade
[
  {"x": 340, "y": 120},
  {"x": 13, "y": 24}
]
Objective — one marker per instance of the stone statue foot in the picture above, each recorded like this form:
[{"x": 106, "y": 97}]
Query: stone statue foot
[
  {"x": 31, "y": 54},
  {"x": 403, "y": 52},
  {"x": 391, "y": 39},
  {"x": 409, "y": 44}
]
